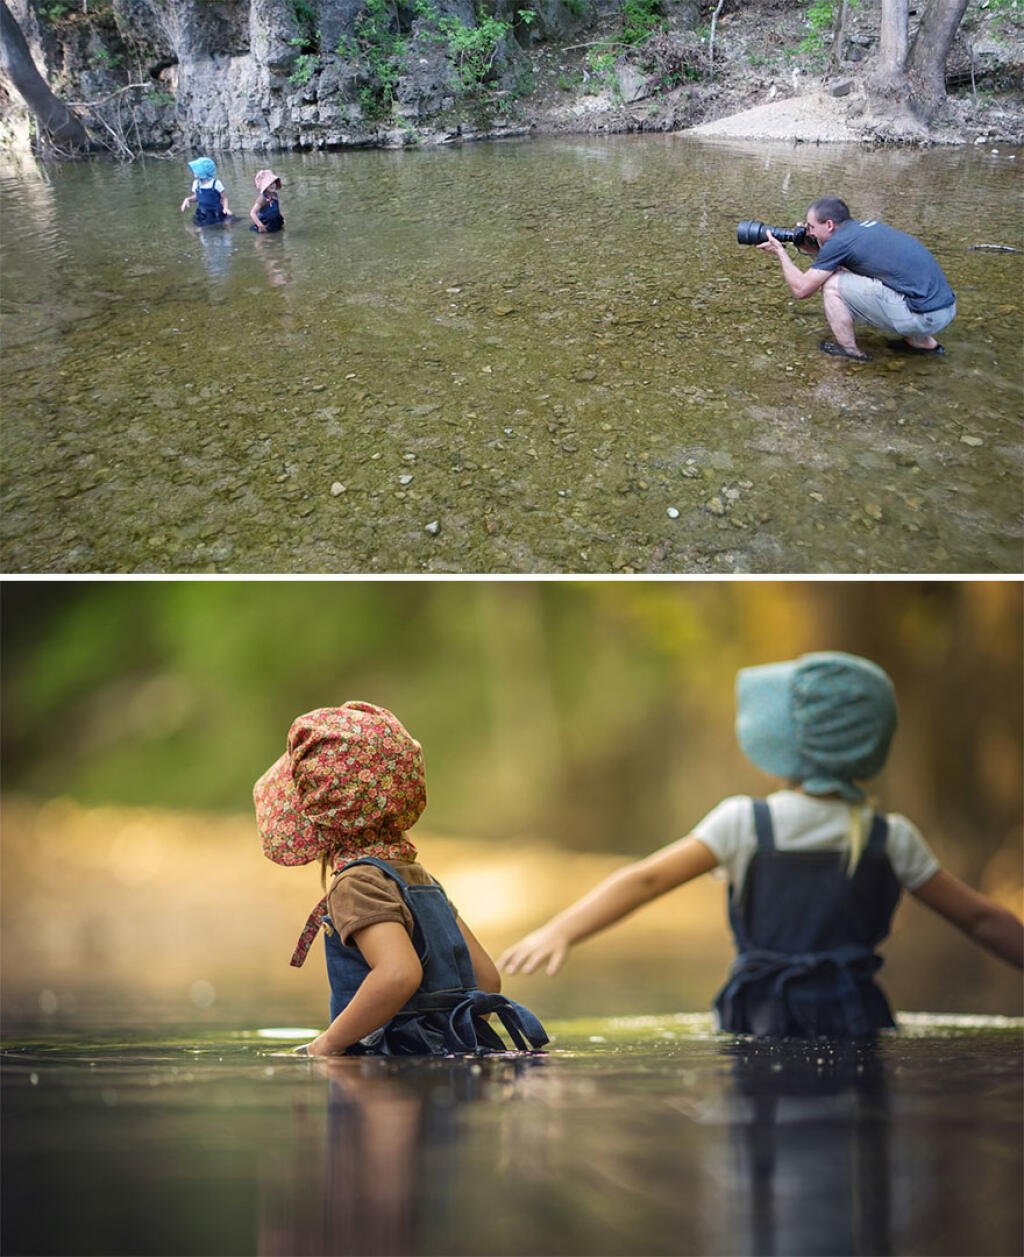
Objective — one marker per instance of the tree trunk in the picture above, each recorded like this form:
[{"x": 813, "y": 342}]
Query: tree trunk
[
  {"x": 55, "y": 120},
  {"x": 889, "y": 84},
  {"x": 839, "y": 16},
  {"x": 926, "y": 64},
  {"x": 909, "y": 82}
]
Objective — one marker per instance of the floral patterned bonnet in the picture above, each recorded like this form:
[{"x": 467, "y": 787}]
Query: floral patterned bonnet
[{"x": 350, "y": 784}]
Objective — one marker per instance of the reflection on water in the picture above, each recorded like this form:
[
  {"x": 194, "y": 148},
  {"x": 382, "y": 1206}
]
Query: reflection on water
[
  {"x": 541, "y": 347},
  {"x": 810, "y": 1130},
  {"x": 633, "y": 1136}
]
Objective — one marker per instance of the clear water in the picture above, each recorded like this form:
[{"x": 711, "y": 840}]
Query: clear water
[
  {"x": 539, "y": 347},
  {"x": 636, "y": 1135}
]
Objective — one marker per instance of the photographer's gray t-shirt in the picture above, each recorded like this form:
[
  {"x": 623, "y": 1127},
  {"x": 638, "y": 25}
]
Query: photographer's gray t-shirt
[{"x": 881, "y": 252}]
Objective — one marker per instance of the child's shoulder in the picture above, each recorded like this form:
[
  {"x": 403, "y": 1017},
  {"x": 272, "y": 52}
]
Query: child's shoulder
[{"x": 410, "y": 871}]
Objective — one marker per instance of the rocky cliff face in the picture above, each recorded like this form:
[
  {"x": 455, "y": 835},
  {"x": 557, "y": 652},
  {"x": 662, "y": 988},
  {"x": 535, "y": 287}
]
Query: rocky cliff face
[
  {"x": 283, "y": 74},
  {"x": 286, "y": 74}
]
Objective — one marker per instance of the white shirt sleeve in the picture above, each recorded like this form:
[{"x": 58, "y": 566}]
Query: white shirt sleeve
[
  {"x": 727, "y": 831},
  {"x": 912, "y": 860}
]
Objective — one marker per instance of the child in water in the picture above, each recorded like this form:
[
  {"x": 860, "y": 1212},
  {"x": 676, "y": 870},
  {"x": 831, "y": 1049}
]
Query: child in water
[
  {"x": 814, "y": 872},
  {"x": 407, "y": 975},
  {"x": 266, "y": 211},
  {"x": 208, "y": 194}
]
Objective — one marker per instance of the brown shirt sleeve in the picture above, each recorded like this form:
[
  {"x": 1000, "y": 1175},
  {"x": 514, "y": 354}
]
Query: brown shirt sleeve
[{"x": 364, "y": 896}]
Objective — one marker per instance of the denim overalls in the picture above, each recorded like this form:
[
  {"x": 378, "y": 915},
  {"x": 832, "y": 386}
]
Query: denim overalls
[
  {"x": 209, "y": 208},
  {"x": 805, "y": 934},
  {"x": 445, "y": 1016},
  {"x": 269, "y": 215}
]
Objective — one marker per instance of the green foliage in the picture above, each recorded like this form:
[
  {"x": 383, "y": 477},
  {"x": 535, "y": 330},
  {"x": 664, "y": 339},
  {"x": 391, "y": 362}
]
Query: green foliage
[
  {"x": 819, "y": 18},
  {"x": 160, "y": 99},
  {"x": 601, "y": 69},
  {"x": 304, "y": 14},
  {"x": 102, "y": 58},
  {"x": 306, "y": 65},
  {"x": 560, "y": 700},
  {"x": 525, "y": 83},
  {"x": 472, "y": 49},
  {"x": 308, "y": 38},
  {"x": 1005, "y": 14},
  {"x": 53, "y": 12},
  {"x": 526, "y": 16},
  {"x": 576, "y": 7},
  {"x": 382, "y": 48},
  {"x": 640, "y": 19},
  {"x": 88, "y": 10}
]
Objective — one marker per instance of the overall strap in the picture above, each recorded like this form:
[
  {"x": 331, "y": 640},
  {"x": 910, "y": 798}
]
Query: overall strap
[
  {"x": 377, "y": 864},
  {"x": 763, "y": 825},
  {"x": 420, "y": 940},
  {"x": 878, "y": 835},
  {"x": 315, "y": 920},
  {"x": 466, "y": 1030}
]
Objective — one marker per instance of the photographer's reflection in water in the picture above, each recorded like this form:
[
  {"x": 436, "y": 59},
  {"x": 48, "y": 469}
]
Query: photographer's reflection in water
[{"x": 809, "y": 1156}]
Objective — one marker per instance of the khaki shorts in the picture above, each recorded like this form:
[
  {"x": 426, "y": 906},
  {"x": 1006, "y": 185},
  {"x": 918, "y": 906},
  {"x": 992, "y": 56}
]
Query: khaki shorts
[{"x": 870, "y": 301}]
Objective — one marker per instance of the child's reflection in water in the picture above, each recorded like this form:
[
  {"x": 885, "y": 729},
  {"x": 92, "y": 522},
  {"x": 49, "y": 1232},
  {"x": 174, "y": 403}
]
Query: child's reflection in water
[
  {"x": 809, "y": 1150},
  {"x": 356, "y": 1193},
  {"x": 216, "y": 246},
  {"x": 384, "y": 1157},
  {"x": 270, "y": 249}
]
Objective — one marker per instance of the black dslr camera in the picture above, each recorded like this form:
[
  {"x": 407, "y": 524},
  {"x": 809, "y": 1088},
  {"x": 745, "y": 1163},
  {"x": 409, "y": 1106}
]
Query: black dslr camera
[{"x": 751, "y": 232}]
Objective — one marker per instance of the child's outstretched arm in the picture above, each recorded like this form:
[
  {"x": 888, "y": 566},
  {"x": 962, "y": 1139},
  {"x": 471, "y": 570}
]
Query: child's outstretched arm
[
  {"x": 616, "y": 897},
  {"x": 254, "y": 213},
  {"x": 189, "y": 200},
  {"x": 993, "y": 927},
  {"x": 394, "y": 977}
]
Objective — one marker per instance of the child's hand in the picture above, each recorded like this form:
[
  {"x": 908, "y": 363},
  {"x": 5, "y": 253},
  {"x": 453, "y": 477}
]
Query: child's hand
[
  {"x": 184, "y": 205},
  {"x": 319, "y": 1047},
  {"x": 547, "y": 946}
]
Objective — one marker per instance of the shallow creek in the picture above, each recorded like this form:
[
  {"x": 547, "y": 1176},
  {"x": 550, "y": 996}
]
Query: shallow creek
[
  {"x": 633, "y": 1135},
  {"x": 546, "y": 355}
]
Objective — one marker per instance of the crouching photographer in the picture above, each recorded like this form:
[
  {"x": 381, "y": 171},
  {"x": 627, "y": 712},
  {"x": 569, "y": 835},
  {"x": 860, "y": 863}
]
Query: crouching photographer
[{"x": 868, "y": 272}]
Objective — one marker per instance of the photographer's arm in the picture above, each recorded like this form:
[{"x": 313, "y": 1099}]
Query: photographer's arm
[{"x": 802, "y": 284}]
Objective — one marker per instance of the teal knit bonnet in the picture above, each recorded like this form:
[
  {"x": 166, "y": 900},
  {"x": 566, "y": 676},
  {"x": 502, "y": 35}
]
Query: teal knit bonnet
[{"x": 824, "y": 720}]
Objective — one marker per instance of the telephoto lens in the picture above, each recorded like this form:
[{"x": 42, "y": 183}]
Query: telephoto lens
[{"x": 752, "y": 232}]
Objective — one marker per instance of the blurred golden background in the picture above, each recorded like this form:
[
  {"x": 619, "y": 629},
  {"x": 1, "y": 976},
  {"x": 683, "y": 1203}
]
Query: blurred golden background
[{"x": 567, "y": 726}]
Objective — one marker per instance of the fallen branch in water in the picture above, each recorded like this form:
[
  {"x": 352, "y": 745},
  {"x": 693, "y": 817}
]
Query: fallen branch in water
[{"x": 996, "y": 248}]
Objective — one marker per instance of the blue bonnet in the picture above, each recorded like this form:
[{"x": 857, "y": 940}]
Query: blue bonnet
[
  {"x": 203, "y": 168},
  {"x": 824, "y": 720}
]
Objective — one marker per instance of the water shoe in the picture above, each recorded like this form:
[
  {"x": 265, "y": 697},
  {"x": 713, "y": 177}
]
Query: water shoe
[
  {"x": 902, "y": 347},
  {"x": 837, "y": 351}
]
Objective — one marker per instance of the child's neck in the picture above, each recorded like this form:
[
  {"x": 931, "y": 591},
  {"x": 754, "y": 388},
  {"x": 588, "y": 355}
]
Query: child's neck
[{"x": 797, "y": 788}]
